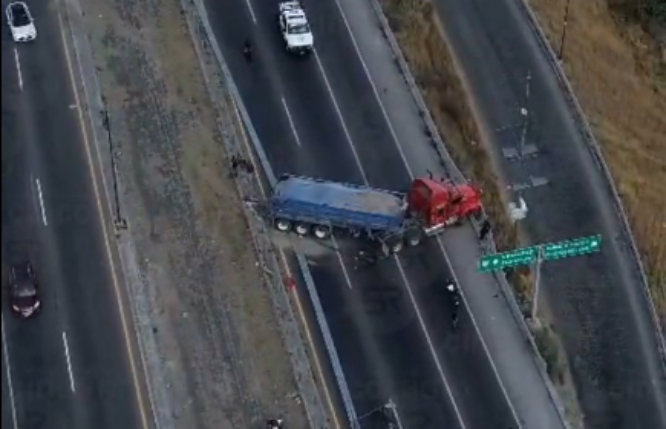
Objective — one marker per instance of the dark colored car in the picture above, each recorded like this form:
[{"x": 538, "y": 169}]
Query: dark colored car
[{"x": 24, "y": 290}]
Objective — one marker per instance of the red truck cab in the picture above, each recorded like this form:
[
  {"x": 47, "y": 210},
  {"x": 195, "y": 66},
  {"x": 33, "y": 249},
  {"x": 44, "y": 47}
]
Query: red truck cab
[{"x": 438, "y": 203}]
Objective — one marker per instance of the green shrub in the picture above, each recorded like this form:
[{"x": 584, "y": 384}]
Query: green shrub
[{"x": 548, "y": 346}]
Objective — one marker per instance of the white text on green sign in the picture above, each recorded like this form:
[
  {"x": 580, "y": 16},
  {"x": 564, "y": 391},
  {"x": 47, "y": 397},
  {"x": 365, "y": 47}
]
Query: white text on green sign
[
  {"x": 567, "y": 249},
  {"x": 498, "y": 261}
]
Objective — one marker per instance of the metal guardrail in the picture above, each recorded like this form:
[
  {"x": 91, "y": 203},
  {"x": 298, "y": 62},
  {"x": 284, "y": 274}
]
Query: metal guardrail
[
  {"x": 454, "y": 173},
  {"x": 594, "y": 148},
  {"x": 223, "y": 88}
]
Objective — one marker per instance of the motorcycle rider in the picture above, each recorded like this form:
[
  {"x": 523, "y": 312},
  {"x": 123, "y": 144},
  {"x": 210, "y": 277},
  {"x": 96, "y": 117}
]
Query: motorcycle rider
[
  {"x": 454, "y": 301},
  {"x": 247, "y": 50}
]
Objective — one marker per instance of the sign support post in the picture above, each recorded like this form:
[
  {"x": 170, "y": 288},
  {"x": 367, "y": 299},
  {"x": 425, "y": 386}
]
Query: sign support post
[
  {"x": 527, "y": 256},
  {"x": 537, "y": 282}
]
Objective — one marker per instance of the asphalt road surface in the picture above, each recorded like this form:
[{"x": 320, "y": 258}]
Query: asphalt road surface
[
  {"x": 68, "y": 367},
  {"x": 317, "y": 116},
  {"x": 596, "y": 300}
]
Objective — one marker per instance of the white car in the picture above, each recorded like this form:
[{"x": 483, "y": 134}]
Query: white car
[
  {"x": 295, "y": 28},
  {"x": 20, "y": 21}
]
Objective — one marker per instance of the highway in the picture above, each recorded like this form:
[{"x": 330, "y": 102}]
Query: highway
[
  {"x": 68, "y": 367},
  {"x": 319, "y": 117},
  {"x": 596, "y": 301}
]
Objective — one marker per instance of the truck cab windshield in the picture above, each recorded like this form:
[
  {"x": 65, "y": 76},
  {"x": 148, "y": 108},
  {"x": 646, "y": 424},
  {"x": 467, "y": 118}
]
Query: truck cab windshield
[
  {"x": 299, "y": 29},
  {"x": 20, "y": 16}
]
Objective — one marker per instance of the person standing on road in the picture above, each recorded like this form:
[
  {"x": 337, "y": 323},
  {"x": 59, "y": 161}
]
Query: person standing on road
[
  {"x": 485, "y": 229},
  {"x": 275, "y": 424},
  {"x": 247, "y": 50}
]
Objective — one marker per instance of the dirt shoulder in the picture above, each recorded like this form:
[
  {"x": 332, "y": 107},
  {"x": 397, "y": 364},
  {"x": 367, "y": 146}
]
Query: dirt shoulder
[
  {"x": 617, "y": 71},
  {"x": 217, "y": 342}
]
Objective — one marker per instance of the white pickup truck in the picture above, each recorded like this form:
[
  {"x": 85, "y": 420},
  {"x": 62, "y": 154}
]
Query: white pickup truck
[{"x": 295, "y": 28}]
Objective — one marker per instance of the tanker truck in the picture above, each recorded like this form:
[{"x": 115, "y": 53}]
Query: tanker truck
[{"x": 318, "y": 207}]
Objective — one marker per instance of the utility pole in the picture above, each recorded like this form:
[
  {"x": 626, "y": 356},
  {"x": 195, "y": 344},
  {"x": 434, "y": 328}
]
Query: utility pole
[
  {"x": 524, "y": 111},
  {"x": 565, "y": 24},
  {"x": 119, "y": 222}
]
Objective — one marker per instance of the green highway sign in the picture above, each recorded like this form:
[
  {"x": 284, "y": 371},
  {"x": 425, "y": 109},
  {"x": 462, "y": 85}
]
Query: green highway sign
[
  {"x": 498, "y": 261},
  {"x": 549, "y": 251},
  {"x": 569, "y": 248}
]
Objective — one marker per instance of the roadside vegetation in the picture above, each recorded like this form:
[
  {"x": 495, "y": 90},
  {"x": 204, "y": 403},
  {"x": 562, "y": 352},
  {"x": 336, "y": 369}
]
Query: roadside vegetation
[
  {"x": 626, "y": 108},
  {"x": 622, "y": 40},
  {"x": 615, "y": 56},
  {"x": 414, "y": 25}
]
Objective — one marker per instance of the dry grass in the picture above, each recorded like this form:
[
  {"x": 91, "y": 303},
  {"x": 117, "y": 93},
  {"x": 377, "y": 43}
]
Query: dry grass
[
  {"x": 617, "y": 72},
  {"x": 626, "y": 109},
  {"x": 218, "y": 351},
  {"x": 417, "y": 31}
]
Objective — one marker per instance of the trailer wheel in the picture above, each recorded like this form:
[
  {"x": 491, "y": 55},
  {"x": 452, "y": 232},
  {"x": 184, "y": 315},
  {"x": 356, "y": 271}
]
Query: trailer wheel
[
  {"x": 321, "y": 232},
  {"x": 283, "y": 225},
  {"x": 302, "y": 229},
  {"x": 396, "y": 247},
  {"x": 413, "y": 240}
]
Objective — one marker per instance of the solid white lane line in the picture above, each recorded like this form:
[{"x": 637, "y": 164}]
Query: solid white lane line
[
  {"x": 18, "y": 68},
  {"x": 40, "y": 197},
  {"x": 342, "y": 119},
  {"x": 483, "y": 341},
  {"x": 411, "y": 173},
  {"x": 8, "y": 373},
  {"x": 249, "y": 6},
  {"x": 400, "y": 268},
  {"x": 291, "y": 122},
  {"x": 69, "y": 362},
  {"x": 403, "y": 275},
  {"x": 433, "y": 352}
]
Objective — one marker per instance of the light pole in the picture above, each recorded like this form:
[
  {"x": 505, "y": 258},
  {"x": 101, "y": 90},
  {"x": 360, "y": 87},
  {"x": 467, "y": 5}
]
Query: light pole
[
  {"x": 525, "y": 113},
  {"x": 119, "y": 221},
  {"x": 565, "y": 24}
]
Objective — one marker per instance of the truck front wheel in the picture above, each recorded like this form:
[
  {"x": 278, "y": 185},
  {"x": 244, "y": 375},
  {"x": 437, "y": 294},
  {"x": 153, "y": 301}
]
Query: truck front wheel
[
  {"x": 282, "y": 225},
  {"x": 321, "y": 232}
]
